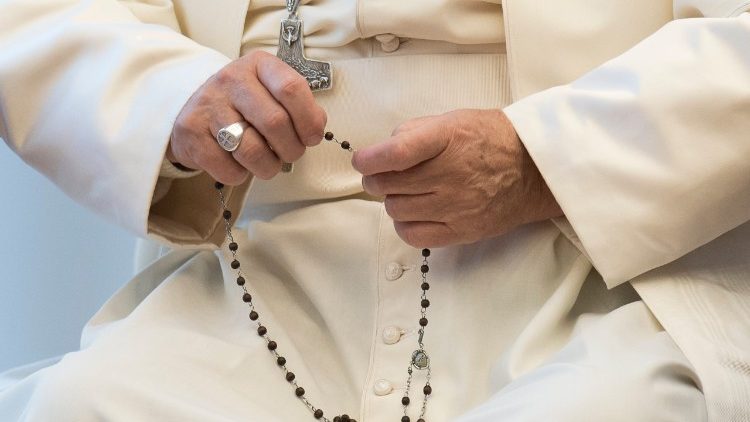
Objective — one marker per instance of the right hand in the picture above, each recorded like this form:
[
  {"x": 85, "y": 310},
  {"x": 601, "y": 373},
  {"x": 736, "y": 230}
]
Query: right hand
[{"x": 267, "y": 93}]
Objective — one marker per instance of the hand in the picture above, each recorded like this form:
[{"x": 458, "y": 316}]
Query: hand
[
  {"x": 455, "y": 178},
  {"x": 262, "y": 90}
]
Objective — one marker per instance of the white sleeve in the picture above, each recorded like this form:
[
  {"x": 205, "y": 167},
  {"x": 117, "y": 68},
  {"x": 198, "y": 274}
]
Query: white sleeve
[
  {"x": 649, "y": 154},
  {"x": 89, "y": 91}
]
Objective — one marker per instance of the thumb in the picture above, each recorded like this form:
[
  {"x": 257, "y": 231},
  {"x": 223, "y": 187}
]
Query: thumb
[{"x": 402, "y": 151}]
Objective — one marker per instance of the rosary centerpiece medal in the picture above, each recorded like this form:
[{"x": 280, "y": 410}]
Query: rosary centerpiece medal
[{"x": 291, "y": 51}]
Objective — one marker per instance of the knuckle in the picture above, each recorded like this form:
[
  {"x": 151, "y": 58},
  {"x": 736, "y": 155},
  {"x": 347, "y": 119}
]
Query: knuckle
[
  {"x": 398, "y": 155},
  {"x": 225, "y": 76},
  {"x": 250, "y": 154},
  {"x": 392, "y": 207},
  {"x": 291, "y": 152},
  {"x": 290, "y": 86},
  {"x": 277, "y": 120}
]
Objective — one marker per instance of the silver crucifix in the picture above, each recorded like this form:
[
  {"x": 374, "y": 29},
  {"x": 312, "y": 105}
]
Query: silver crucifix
[{"x": 291, "y": 50}]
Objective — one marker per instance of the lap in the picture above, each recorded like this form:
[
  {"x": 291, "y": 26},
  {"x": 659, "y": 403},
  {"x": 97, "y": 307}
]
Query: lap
[{"x": 621, "y": 366}]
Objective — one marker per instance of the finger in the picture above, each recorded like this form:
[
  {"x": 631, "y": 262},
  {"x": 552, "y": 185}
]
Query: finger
[
  {"x": 255, "y": 155},
  {"x": 427, "y": 207},
  {"x": 402, "y": 151},
  {"x": 270, "y": 119},
  {"x": 291, "y": 90},
  {"x": 424, "y": 234},
  {"x": 214, "y": 160},
  {"x": 422, "y": 178}
]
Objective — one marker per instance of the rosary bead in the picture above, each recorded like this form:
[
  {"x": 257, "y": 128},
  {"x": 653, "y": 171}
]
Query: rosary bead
[
  {"x": 299, "y": 391},
  {"x": 218, "y": 185},
  {"x": 290, "y": 376},
  {"x": 420, "y": 420},
  {"x": 271, "y": 345},
  {"x": 240, "y": 281},
  {"x": 424, "y": 268},
  {"x": 405, "y": 400},
  {"x": 233, "y": 246},
  {"x": 423, "y": 321},
  {"x": 337, "y": 419},
  {"x": 329, "y": 136},
  {"x": 427, "y": 390},
  {"x": 281, "y": 360},
  {"x": 425, "y": 286},
  {"x": 253, "y": 315},
  {"x": 235, "y": 264},
  {"x": 345, "y": 418},
  {"x": 425, "y": 252},
  {"x": 318, "y": 414},
  {"x": 247, "y": 298},
  {"x": 345, "y": 145},
  {"x": 262, "y": 330},
  {"x": 425, "y": 303},
  {"x": 405, "y": 419},
  {"x": 227, "y": 214}
]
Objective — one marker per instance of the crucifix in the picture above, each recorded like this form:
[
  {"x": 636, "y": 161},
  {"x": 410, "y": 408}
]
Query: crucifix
[{"x": 291, "y": 50}]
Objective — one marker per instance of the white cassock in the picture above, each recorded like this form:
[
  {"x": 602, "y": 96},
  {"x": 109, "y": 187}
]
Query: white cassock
[{"x": 636, "y": 306}]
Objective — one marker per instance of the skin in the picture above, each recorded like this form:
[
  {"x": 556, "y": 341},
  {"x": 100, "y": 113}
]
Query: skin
[
  {"x": 455, "y": 178},
  {"x": 262, "y": 90}
]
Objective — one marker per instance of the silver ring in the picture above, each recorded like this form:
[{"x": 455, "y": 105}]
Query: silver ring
[{"x": 229, "y": 137}]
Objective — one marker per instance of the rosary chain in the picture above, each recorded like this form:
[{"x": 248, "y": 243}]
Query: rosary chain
[{"x": 418, "y": 357}]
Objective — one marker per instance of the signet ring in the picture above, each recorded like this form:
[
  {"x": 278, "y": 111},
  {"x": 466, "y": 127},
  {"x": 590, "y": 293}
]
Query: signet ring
[{"x": 229, "y": 137}]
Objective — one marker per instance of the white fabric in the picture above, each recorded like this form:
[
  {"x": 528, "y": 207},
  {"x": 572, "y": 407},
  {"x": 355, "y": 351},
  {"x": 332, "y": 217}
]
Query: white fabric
[{"x": 84, "y": 98}]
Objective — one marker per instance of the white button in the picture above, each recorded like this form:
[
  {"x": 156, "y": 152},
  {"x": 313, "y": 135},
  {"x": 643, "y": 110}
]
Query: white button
[
  {"x": 393, "y": 271},
  {"x": 388, "y": 42},
  {"x": 391, "y": 334},
  {"x": 382, "y": 387}
]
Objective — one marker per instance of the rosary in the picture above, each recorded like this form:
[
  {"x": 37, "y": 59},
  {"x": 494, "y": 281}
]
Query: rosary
[
  {"x": 419, "y": 359},
  {"x": 319, "y": 77}
]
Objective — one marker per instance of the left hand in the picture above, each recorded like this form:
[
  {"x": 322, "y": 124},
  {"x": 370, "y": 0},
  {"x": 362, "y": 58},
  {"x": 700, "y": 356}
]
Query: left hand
[{"x": 455, "y": 178}]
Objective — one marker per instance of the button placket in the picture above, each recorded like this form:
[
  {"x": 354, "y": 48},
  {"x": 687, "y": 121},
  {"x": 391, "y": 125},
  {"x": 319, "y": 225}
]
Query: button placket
[{"x": 396, "y": 318}]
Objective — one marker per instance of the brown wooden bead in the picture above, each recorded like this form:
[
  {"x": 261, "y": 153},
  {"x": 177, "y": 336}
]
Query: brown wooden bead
[
  {"x": 219, "y": 185},
  {"x": 227, "y": 214},
  {"x": 425, "y": 303},
  {"x": 425, "y": 252},
  {"x": 262, "y": 330},
  {"x": 424, "y": 268},
  {"x": 290, "y": 376},
  {"x": 247, "y": 298},
  {"x": 405, "y": 401},
  {"x": 337, "y": 419},
  {"x": 233, "y": 246},
  {"x": 405, "y": 419},
  {"x": 328, "y": 136},
  {"x": 299, "y": 391},
  {"x": 318, "y": 414},
  {"x": 420, "y": 420},
  {"x": 423, "y": 321},
  {"x": 272, "y": 345},
  {"x": 253, "y": 315},
  {"x": 345, "y": 418},
  {"x": 235, "y": 264},
  {"x": 425, "y": 286},
  {"x": 281, "y": 361},
  {"x": 345, "y": 145},
  {"x": 427, "y": 390},
  {"x": 240, "y": 281}
]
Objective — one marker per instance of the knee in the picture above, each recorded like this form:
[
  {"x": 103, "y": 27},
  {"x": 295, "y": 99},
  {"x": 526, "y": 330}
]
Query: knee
[{"x": 74, "y": 389}]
